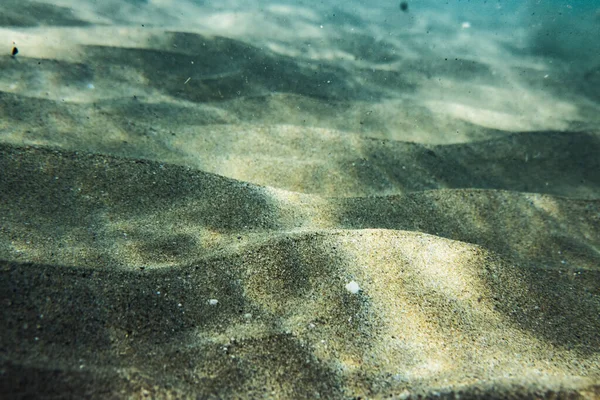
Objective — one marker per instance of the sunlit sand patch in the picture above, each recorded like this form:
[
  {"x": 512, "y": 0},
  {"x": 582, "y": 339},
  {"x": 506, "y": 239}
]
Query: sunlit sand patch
[
  {"x": 397, "y": 268},
  {"x": 505, "y": 109}
]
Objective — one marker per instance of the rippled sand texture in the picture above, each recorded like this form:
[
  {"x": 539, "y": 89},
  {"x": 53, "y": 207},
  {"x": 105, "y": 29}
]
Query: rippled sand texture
[{"x": 186, "y": 191}]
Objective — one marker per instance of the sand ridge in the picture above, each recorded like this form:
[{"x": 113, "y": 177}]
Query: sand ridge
[{"x": 144, "y": 246}]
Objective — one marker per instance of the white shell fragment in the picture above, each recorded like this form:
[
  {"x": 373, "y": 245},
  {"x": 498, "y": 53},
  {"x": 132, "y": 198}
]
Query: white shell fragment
[{"x": 352, "y": 287}]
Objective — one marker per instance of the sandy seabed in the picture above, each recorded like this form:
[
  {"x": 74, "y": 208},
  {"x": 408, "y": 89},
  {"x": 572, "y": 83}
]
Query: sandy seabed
[{"x": 183, "y": 204}]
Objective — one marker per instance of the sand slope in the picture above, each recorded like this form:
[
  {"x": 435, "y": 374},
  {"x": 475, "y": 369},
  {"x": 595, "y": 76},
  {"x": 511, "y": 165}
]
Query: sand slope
[
  {"x": 182, "y": 205},
  {"x": 121, "y": 257}
]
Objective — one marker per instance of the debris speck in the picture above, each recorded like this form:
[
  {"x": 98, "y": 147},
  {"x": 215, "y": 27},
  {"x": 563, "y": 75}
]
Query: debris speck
[{"x": 352, "y": 287}]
